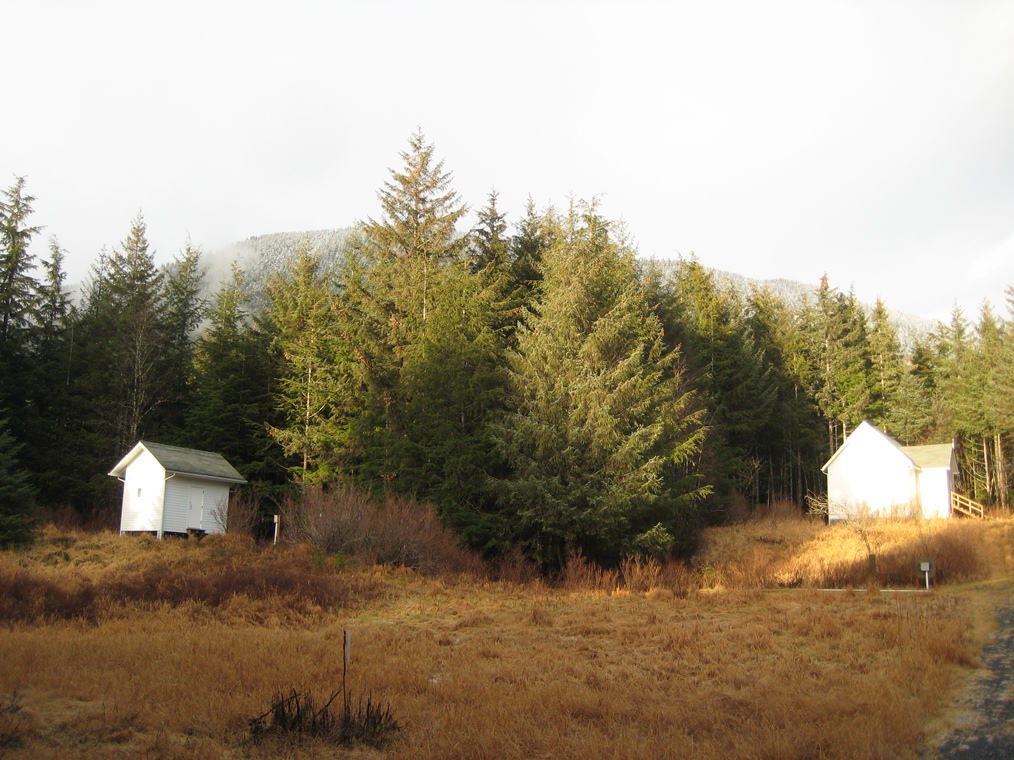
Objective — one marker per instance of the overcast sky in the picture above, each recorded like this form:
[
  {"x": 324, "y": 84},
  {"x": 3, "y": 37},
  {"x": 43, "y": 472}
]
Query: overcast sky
[{"x": 873, "y": 141}]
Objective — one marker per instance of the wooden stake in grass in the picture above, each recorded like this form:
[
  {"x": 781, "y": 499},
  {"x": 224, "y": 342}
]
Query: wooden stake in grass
[{"x": 346, "y": 659}]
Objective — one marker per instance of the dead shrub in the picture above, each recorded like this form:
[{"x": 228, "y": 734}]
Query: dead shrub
[
  {"x": 513, "y": 567},
  {"x": 30, "y": 597},
  {"x": 581, "y": 575},
  {"x": 244, "y": 515},
  {"x": 635, "y": 575},
  {"x": 11, "y": 724},
  {"x": 399, "y": 531},
  {"x": 640, "y": 574},
  {"x": 212, "y": 576},
  {"x": 680, "y": 579},
  {"x": 782, "y": 510},
  {"x": 297, "y": 715}
]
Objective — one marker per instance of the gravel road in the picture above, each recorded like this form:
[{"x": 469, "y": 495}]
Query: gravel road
[{"x": 985, "y": 728}]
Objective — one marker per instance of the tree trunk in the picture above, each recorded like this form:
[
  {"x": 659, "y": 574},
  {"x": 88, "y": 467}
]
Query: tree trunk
[
  {"x": 987, "y": 469},
  {"x": 1001, "y": 471}
]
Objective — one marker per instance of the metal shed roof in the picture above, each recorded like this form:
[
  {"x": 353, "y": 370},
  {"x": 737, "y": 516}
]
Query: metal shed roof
[
  {"x": 931, "y": 456},
  {"x": 206, "y": 464}
]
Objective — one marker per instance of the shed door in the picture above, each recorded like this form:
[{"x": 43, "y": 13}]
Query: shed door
[{"x": 195, "y": 517}]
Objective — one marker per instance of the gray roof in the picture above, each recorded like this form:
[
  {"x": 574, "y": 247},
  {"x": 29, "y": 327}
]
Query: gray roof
[
  {"x": 931, "y": 456},
  {"x": 205, "y": 464}
]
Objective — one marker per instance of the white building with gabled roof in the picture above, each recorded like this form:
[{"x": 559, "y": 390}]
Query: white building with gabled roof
[
  {"x": 872, "y": 473},
  {"x": 169, "y": 489}
]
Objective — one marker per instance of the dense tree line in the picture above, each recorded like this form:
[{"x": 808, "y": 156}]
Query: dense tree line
[{"x": 536, "y": 381}]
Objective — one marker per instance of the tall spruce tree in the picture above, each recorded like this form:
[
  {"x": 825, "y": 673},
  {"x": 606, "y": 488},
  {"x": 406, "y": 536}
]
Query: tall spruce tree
[
  {"x": 600, "y": 438},
  {"x": 315, "y": 385},
  {"x": 885, "y": 364},
  {"x": 393, "y": 281},
  {"x": 233, "y": 389},
  {"x": 184, "y": 309},
  {"x": 730, "y": 371},
  {"x": 839, "y": 364},
  {"x": 452, "y": 383},
  {"x": 793, "y": 438},
  {"x": 17, "y": 285},
  {"x": 18, "y": 304},
  {"x": 909, "y": 413},
  {"x": 120, "y": 378},
  {"x": 53, "y": 443},
  {"x": 137, "y": 342}
]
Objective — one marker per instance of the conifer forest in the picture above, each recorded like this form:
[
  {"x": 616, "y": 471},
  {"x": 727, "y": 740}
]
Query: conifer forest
[{"x": 531, "y": 377}]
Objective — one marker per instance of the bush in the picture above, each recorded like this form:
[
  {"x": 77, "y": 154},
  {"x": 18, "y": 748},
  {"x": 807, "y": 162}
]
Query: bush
[
  {"x": 11, "y": 723},
  {"x": 218, "y": 574},
  {"x": 298, "y": 716},
  {"x": 399, "y": 531}
]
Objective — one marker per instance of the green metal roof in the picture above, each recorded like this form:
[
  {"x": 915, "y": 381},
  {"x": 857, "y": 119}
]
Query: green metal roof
[
  {"x": 930, "y": 456},
  {"x": 175, "y": 459}
]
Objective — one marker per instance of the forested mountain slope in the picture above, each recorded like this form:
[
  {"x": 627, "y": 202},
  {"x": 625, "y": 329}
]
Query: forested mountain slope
[
  {"x": 910, "y": 328},
  {"x": 262, "y": 255}
]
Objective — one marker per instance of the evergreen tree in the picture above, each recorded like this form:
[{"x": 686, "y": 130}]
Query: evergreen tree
[
  {"x": 414, "y": 240},
  {"x": 885, "y": 364},
  {"x": 729, "y": 370},
  {"x": 138, "y": 342},
  {"x": 958, "y": 388},
  {"x": 909, "y": 412},
  {"x": 52, "y": 451},
  {"x": 17, "y": 285},
  {"x": 18, "y": 304},
  {"x": 392, "y": 283},
  {"x": 600, "y": 440},
  {"x": 315, "y": 386},
  {"x": 119, "y": 372},
  {"x": 952, "y": 356},
  {"x": 490, "y": 245},
  {"x": 184, "y": 309},
  {"x": 16, "y": 496},
  {"x": 536, "y": 233},
  {"x": 792, "y": 446},
  {"x": 452, "y": 383},
  {"x": 839, "y": 365},
  {"x": 233, "y": 385}
]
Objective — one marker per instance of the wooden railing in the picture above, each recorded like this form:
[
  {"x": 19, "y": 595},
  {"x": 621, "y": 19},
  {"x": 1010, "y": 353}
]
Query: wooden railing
[{"x": 965, "y": 506}]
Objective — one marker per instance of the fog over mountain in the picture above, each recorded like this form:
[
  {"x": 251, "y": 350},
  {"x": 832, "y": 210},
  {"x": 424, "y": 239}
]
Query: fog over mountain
[
  {"x": 910, "y": 328},
  {"x": 261, "y": 256}
]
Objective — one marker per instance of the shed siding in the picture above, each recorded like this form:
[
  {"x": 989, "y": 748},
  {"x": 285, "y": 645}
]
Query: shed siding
[
  {"x": 144, "y": 512},
  {"x": 935, "y": 492},
  {"x": 177, "y": 504},
  {"x": 870, "y": 472}
]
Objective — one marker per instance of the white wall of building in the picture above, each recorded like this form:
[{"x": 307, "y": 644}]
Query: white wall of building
[
  {"x": 143, "y": 495},
  {"x": 870, "y": 473},
  {"x": 182, "y": 512}
]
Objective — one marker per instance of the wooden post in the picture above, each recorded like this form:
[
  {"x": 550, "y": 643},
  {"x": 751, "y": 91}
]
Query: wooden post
[{"x": 346, "y": 659}]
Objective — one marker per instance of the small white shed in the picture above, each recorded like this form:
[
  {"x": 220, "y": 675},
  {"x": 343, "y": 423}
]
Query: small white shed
[
  {"x": 168, "y": 489},
  {"x": 871, "y": 471}
]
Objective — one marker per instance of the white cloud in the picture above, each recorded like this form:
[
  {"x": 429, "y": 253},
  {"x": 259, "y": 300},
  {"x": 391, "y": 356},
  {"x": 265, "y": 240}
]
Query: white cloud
[{"x": 779, "y": 139}]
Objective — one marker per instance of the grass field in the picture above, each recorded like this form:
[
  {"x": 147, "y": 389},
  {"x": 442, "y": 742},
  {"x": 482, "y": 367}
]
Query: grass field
[{"x": 128, "y": 647}]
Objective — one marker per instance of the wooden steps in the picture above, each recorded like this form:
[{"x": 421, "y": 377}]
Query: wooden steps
[{"x": 962, "y": 505}]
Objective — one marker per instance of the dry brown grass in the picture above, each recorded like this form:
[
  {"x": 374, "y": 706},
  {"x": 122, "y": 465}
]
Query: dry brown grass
[
  {"x": 97, "y": 576},
  {"x": 797, "y": 551},
  {"x": 649, "y": 661}
]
